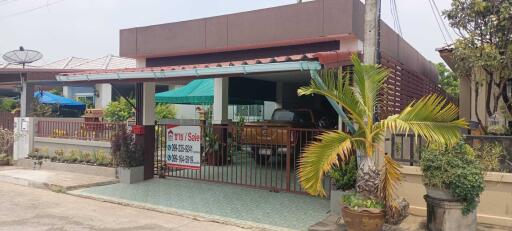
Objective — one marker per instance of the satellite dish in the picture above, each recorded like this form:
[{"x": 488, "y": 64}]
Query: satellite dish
[{"x": 22, "y": 56}]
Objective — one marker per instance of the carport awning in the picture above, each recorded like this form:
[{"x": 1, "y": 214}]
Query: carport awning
[{"x": 305, "y": 62}]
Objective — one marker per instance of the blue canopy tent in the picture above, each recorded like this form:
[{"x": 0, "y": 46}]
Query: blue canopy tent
[
  {"x": 198, "y": 92},
  {"x": 45, "y": 97}
]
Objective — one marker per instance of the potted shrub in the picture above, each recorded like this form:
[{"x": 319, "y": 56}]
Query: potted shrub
[
  {"x": 357, "y": 209},
  {"x": 343, "y": 180},
  {"x": 358, "y": 93},
  {"x": 454, "y": 180},
  {"x": 128, "y": 157},
  {"x": 211, "y": 148}
]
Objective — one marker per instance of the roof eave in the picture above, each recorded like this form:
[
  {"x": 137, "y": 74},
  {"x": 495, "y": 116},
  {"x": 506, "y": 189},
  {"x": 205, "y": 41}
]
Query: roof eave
[{"x": 194, "y": 72}]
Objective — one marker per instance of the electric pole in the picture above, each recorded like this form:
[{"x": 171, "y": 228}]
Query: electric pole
[{"x": 371, "y": 31}]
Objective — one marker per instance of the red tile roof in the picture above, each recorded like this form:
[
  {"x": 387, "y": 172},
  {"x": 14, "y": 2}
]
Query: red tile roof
[{"x": 323, "y": 57}]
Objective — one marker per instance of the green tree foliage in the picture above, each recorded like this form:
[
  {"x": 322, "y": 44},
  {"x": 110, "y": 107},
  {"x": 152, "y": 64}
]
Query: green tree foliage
[
  {"x": 119, "y": 111},
  {"x": 485, "y": 31},
  {"x": 165, "y": 111},
  {"x": 56, "y": 91},
  {"x": 449, "y": 81},
  {"x": 43, "y": 110},
  {"x": 8, "y": 104}
]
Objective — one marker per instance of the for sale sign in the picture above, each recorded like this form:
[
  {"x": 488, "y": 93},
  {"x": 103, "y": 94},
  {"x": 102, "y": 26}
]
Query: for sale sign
[{"x": 184, "y": 147}]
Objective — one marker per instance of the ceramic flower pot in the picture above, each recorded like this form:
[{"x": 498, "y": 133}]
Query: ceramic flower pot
[{"x": 363, "y": 219}]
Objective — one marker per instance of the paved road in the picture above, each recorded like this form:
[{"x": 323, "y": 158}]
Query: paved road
[{"x": 24, "y": 208}]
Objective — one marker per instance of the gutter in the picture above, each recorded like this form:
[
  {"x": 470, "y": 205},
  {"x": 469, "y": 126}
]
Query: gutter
[{"x": 194, "y": 72}]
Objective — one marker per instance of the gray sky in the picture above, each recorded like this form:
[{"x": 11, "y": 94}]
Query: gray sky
[{"x": 90, "y": 28}]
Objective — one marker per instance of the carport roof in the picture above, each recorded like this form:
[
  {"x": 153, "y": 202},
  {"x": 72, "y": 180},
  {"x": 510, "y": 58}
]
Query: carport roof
[{"x": 309, "y": 61}]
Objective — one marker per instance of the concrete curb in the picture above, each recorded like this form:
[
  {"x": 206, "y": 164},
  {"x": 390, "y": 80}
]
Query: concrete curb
[
  {"x": 182, "y": 213},
  {"x": 51, "y": 187}
]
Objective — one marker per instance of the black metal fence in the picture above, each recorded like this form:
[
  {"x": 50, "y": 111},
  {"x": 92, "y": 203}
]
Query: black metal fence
[{"x": 406, "y": 149}]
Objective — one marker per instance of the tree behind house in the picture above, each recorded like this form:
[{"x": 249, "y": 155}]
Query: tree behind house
[{"x": 483, "y": 50}]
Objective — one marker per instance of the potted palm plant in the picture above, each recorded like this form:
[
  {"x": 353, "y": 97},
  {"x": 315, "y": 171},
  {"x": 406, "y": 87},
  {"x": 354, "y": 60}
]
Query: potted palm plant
[
  {"x": 358, "y": 93},
  {"x": 454, "y": 179}
]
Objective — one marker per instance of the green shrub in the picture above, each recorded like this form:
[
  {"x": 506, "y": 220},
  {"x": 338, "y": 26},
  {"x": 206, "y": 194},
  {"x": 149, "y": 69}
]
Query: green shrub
[
  {"x": 32, "y": 155},
  {"x": 119, "y": 111},
  {"x": 84, "y": 157},
  {"x": 101, "y": 158},
  {"x": 125, "y": 152},
  {"x": 67, "y": 158},
  {"x": 4, "y": 157},
  {"x": 59, "y": 155},
  {"x": 8, "y": 104},
  {"x": 344, "y": 176},
  {"x": 490, "y": 156},
  {"x": 457, "y": 170},
  {"x": 43, "y": 153},
  {"x": 356, "y": 201},
  {"x": 498, "y": 130},
  {"x": 165, "y": 111},
  {"x": 73, "y": 156}
]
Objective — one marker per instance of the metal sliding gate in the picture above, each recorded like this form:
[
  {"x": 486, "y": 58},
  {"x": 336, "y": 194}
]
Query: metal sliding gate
[{"x": 252, "y": 156}]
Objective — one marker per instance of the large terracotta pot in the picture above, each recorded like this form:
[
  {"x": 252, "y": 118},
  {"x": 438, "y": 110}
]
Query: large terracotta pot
[{"x": 362, "y": 220}]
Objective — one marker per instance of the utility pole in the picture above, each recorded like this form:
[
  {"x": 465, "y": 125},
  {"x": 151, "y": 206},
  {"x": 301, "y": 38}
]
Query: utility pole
[{"x": 371, "y": 45}]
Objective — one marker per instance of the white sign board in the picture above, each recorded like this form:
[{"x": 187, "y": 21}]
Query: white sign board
[{"x": 184, "y": 147}]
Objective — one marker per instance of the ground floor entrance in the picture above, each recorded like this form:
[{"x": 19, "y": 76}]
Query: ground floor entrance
[{"x": 253, "y": 156}]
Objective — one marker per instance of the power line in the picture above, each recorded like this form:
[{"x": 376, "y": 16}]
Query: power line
[
  {"x": 437, "y": 21},
  {"x": 396, "y": 19},
  {"x": 30, "y": 10},
  {"x": 442, "y": 21},
  {"x": 5, "y": 2}
]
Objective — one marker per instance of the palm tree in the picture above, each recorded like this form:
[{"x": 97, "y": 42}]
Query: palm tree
[{"x": 431, "y": 117}]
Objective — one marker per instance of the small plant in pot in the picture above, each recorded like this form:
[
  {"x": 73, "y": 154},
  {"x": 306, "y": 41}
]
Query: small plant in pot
[
  {"x": 128, "y": 157},
  {"x": 212, "y": 147},
  {"x": 343, "y": 179},
  {"x": 454, "y": 180},
  {"x": 357, "y": 209}
]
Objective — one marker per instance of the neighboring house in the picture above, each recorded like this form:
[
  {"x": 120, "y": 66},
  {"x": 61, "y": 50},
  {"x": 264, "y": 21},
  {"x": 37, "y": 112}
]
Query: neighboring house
[
  {"x": 98, "y": 95},
  {"x": 470, "y": 104}
]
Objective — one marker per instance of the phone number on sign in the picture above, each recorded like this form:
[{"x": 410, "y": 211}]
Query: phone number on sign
[
  {"x": 179, "y": 148},
  {"x": 181, "y": 159}
]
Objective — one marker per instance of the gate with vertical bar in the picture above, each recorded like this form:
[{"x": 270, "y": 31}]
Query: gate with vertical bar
[{"x": 251, "y": 156}]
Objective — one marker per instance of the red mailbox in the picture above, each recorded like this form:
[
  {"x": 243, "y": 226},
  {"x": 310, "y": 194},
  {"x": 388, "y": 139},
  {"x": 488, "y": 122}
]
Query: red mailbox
[{"x": 138, "y": 129}]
